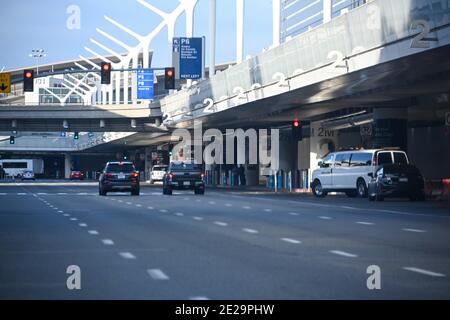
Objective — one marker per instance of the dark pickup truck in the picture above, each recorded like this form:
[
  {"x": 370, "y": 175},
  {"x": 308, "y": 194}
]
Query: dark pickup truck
[{"x": 183, "y": 176}]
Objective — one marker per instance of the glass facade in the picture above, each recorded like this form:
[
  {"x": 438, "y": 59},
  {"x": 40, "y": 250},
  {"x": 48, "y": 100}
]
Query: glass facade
[{"x": 46, "y": 98}]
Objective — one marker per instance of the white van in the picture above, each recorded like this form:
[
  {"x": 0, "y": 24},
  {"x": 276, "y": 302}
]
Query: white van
[
  {"x": 15, "y": 168},
  {"x": 348, "y": 171}
]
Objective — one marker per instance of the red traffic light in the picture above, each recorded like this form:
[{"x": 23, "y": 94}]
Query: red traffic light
[
  {"x": 28, "y": 74},
  {"x": 106, "y": 66},
  {"x": 296, "y": 123},
  {"x": 170, "y": 72}
]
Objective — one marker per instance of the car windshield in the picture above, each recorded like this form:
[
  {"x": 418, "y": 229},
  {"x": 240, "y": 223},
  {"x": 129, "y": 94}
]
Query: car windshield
[
  {"x": 115, "y": 167},
  {"x": 184, "y": 166}
]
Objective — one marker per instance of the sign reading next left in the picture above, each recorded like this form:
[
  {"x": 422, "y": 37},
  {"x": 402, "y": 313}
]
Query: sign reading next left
[
  {"x": 5, "y": 82},
  {"x": 145, "y": 84}
]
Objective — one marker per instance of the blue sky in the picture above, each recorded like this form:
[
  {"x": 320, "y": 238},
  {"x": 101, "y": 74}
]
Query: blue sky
[{"x": 34, "y": 24}]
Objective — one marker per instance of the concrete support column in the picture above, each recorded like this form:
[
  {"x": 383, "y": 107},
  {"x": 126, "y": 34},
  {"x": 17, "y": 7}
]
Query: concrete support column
[
  {"x": 67, "y": 165},
  {"x": 212, "y": 37},
  {"x": 327, "y": 10},
  {"x": 276, "y": 22},
  {"x": 148, "y": 163},
  {"x": 240, "y": 14}
]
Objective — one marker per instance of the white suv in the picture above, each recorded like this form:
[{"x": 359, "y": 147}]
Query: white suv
[
  {"x": 157, "y": 173},
  {"x": 349, "y": 171}
]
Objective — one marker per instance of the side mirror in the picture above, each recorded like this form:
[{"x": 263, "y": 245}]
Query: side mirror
[
  {"x": 370, "y": 174},
  {"x": 320, "y": 164}
]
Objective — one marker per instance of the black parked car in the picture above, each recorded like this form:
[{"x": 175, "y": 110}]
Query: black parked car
[
  {"x": 395, "y": 180},
  {"x": 119, "y": 177},
  {"x": 183, "y": 176}
]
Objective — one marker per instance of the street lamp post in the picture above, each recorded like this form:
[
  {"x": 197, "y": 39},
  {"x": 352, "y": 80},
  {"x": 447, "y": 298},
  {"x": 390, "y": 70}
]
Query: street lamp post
[{"x": 37, "y": 54}]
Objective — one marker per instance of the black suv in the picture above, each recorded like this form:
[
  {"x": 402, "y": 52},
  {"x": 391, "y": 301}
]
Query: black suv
[
  {"x": 183, "y": 176},
  {"x": 119, "y": 177}
]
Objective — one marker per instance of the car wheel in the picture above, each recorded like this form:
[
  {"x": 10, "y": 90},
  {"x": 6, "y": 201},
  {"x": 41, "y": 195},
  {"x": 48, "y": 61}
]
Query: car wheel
[
  {"x": 169, "y": 192},
  {"x": 199, "y": 191},
  {"x": 379, "y": 197},
  {"x": 372, "y": 198},
  {"x": 102, "y": 193},
  {"x": 318, "y": 190},
  {"x": 361, "y": 188},
  {"x": 135, "y": 192}
]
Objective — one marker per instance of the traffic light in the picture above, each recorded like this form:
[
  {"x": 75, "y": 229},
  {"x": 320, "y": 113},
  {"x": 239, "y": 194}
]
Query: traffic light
[
  {"x": 125, "y": 156},
  {"x": 297, "y": 129},
  {"x": 106, "y": 73},
  {"x": 169, "y": 78},
  {"x": 12, "y": 140},
  {"x": 76, "y": 136},
  {"x": 28, "y": 80}
]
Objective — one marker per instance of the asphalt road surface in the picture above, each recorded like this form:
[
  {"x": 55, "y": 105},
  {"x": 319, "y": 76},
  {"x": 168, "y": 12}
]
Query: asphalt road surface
[{"x": 223, "y": 245}]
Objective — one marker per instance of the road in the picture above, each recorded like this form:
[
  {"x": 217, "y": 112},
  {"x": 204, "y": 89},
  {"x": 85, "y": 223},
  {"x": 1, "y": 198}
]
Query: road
[{"x": 224, "y": 245}]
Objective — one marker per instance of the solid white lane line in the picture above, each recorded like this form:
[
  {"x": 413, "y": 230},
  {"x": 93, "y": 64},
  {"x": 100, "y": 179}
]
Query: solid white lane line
[
  {"x": 157, "y": 274},
  {"x": 93, "y": 232},
  {"x": 289, "y": 240},
  {"x": 425, "y": 272},
  {"x": 107, "y": 242},
  {"x": 344, "y": 254},
  {"x": 365, "y": 223},
  {"x": 414, "y": 230},
  {"x": 325, "y": 218},
  {"x": 139, "y": 205},
  {"x": 220, "y": 223},
  {"x": 179, "y": 214},
  {"x": 252, "y": 231},
  {"x": 293, "y": 213},
  {"x": 127, "y": 255},
  {"x": 198, "y": 218},
  {"x": 267, "y": 210},
  {"x": 83, "y": 225}
]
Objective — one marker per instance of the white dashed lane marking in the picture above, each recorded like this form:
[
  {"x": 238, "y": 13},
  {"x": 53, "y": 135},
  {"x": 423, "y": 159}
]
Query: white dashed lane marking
[
  {"x": 365, "y": 223},
  {"x": 252, "y": 231},
  {"x": 198, "y": 218},
  {"x": 66, "y": 215},
  {"x": 73, "y": 219},
  {"x": 246, "y": 207},
  {"x": 129, "y": 203},
  {"x": 325, "y": 218},
  {"x": 163, "y": 211},
  {"x": 220, "y": 223},
  {"x": 289, "y": 240},
  {"x": 179, "y": 214},
  {"x": 293, "y": 213},
  {"x": 157, "y": 274},
  {"x": 139, "y": 205},
  {"x": 107, "y": 242},
  {"x": 414, "y": 230},
  {"x": 267, "y": 210},
  {"x": 229, "y": 205},
  {"x": 344, "y": 254},
  {"x": 93, "y": 232},
  {"x": 83, "y": 225},
  {"x": 150, "y": 208},
  {"x": 425, "y": 272},
  {"x": 127, "y": 255},
  {"x": 211, "y": 202}
]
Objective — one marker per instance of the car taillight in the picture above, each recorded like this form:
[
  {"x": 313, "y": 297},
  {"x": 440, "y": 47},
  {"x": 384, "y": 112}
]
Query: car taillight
[
  {"x": 135, "y": 175},
  {"x": 170, "y": 175},
  {"x": 108, "y": 175},
  {"x": 202, "y": 175}
]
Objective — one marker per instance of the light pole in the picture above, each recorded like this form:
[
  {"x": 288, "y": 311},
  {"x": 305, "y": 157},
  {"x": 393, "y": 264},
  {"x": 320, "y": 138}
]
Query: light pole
[{"x": 37, "y": 53}]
